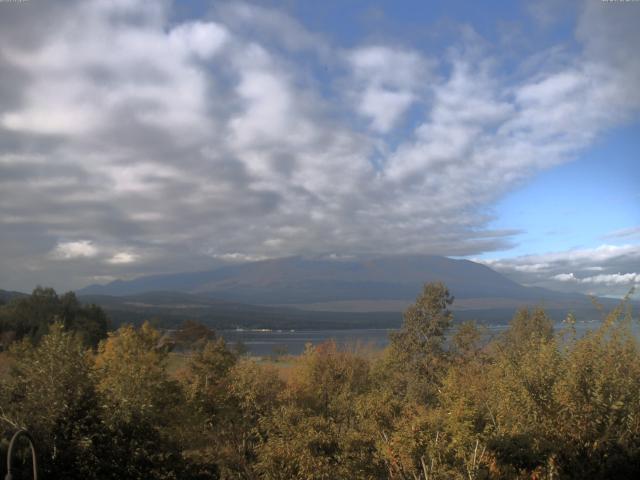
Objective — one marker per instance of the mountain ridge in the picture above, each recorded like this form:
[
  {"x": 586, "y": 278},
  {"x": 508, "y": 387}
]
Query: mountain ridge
[
  {"x": 316, "y": 292},
  {"x": 303, "y": 280}
]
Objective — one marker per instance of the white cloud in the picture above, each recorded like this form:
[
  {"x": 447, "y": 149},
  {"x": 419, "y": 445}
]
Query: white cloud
[
  {"x": 600, "y": 254},
  {"x": 148, "y": 73},
  {"x": 139, "y": 178},
  {"x": 565, "y": 277},
  {"x": 247, "y": 133},
  {"x": 532, "y": 268},
  {"x": 613, "y": 279},
  {"x": 386, "y": 82},
  {"x": 73, "y": 250},
  {"x": 390, "y": 67},
  {"x": 201, "y": 39},
  {"x": 271, "y": 26},
  {"x": 269, "y": 114},
  {"x": 121, "y": 258},
  {"x": 459, "y": 140},
  {"x": 384, "y": 107},
  {"x": 239, "y": 257},
  {"x": 574, "y": 269}
]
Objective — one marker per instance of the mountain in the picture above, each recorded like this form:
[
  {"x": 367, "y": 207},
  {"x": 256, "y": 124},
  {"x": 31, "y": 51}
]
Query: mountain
[
  {"x": 7, "y": 295},
  {"x": 320, "y": 293},
  {"x": 386, "y": 283},
  {"x": 307, "y": 280}
]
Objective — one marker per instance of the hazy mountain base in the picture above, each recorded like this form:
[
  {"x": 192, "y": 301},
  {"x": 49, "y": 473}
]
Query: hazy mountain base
[
  {"x": 532, "y": 404},
  {"x": 320, "y": 293},
  {"x": 169, "y": 309}
]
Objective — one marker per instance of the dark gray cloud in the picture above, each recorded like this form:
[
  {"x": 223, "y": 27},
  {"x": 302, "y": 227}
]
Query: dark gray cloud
[{"x": 130, "y": 143}]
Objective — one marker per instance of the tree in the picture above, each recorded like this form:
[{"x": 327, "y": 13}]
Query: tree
[
  {"x": 90, "y": 321},
  {"x": 253, "y": 394},
  {"x": 598, "y": 402},
  {"x": 213, "y": 416},
  {"x": 143, "y": 406},
  {"x": 192, "y": 335},
  {"x": 530, "y": 404},
  {"x": 208, "y": 368},
  {"x": 527, "y": 328},
  {"x": 417, "y": 352},
  {"x": 50, "y": 392},
  {"x": 32, "y": 316}
]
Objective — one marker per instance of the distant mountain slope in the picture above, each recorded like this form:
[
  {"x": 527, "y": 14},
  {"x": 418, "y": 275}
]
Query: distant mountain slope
[
  {"x": 169, "y": 309},
  {"x": 300, "y": 281},
  {"x": 6, "y": 296}
]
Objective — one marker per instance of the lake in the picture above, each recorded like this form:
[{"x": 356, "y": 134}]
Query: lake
[{"x": 267, "y": 342}]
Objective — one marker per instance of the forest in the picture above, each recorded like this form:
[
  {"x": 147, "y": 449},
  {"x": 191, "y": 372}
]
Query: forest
[{"x": 442, "y": 401}]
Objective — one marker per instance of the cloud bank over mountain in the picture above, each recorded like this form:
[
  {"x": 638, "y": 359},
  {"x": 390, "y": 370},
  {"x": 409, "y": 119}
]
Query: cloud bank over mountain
[
  {"x": 606, "y": 270},
  {"x": 133, "y": 140}
]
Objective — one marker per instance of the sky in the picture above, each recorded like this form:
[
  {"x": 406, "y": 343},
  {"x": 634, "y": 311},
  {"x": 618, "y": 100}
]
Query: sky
[{"x": 143, "y": 137}]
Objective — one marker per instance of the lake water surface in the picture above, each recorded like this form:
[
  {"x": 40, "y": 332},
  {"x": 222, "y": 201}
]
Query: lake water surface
[{"x": 268, "y": 342}]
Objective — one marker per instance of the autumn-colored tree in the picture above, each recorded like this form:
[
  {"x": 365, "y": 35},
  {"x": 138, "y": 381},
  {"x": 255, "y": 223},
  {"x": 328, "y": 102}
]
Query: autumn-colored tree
[
  {"x": 417, "y": 357},
  {"x": 50, "y": 392},
  {"x": 142, "y": 404},
  {"x": 328, "y": 379},
  {"x": 435, "y": 404},
  {"x": 318, "y": 431},
  {"x": 192, "y": 335},
  {"x": 253, "y": 394},
  {"x": 211, "y": 413},
  {"x": 597, "y": 425}
]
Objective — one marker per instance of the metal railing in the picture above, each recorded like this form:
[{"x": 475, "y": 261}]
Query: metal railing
[{"x": 34, "y": 459}]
